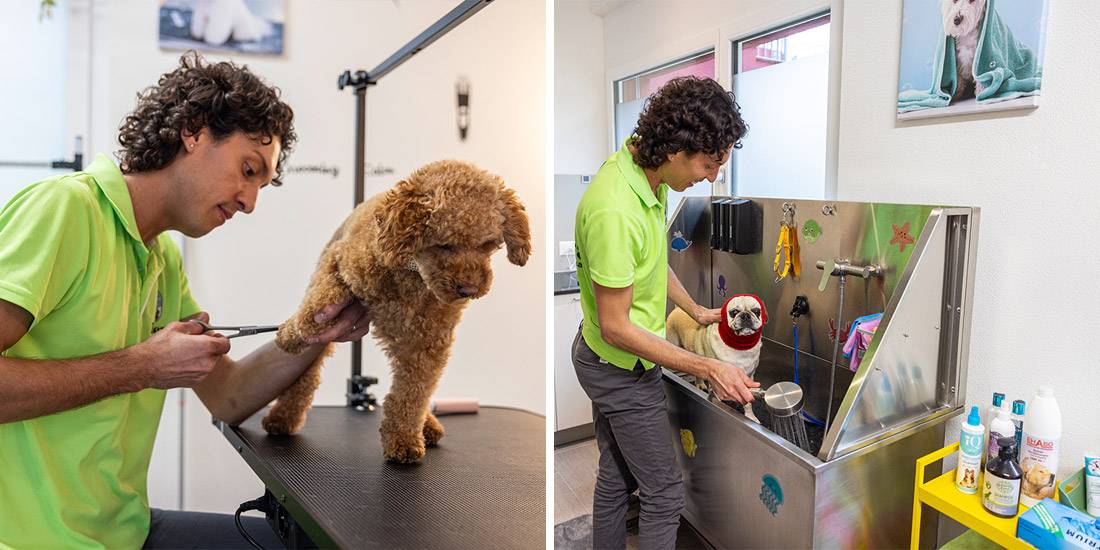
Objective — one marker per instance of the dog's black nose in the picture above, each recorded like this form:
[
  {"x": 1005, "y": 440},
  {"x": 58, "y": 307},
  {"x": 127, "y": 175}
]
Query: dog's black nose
[
  {"x": 467, "y": 290},
  {"x": 958, "y": 19}
]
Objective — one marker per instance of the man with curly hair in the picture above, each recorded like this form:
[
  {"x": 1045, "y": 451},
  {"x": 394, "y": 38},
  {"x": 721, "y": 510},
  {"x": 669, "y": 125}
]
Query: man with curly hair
[
  {"x": 685, "y": 133},
  {"x": 94, "y": 310}
]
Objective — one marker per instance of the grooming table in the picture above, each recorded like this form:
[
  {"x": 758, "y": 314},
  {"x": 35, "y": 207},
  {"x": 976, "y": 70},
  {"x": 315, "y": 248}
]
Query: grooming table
[{"x": 484, "y": 486}]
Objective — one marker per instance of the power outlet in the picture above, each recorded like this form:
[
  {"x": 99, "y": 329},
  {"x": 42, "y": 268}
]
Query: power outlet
[{"x": 567, "y": 248}]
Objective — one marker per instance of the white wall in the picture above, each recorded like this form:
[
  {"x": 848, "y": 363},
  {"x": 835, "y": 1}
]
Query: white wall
[
  {"x": 1034, "y": 175},
  {"x": 43, "y": 133},
  {"x": 580, "y": 124},
  {"x": 255, "y": 269}
]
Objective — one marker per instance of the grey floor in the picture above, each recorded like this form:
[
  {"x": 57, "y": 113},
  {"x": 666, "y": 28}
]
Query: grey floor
[{"x": 575, "y": 468}]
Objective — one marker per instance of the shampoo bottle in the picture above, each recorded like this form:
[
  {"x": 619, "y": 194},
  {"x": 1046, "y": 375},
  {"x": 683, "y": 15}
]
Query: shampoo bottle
[
  {"x": 988, "y": 415},
  {"x": 1001, "y": 493},
  {"x": 1042, "y": 444},
  {"x": 970, "y": 453},
  {"x": 1018, "y": 420},
  {"x": 1000, "y": 426}
]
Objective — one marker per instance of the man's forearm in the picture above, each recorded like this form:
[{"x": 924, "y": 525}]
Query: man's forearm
[
  {"x": 649, "y": 346},
  {"x": 30, "y": 388},
  {"x": 237, "y": 389},
  {"x": 679, "y": 295}
]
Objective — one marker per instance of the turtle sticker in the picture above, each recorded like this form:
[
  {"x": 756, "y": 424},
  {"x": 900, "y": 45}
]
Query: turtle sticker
[{"x": 811, "y": 230}]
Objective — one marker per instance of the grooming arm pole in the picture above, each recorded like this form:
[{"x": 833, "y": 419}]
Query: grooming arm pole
[{"x": 357, "y": 395}]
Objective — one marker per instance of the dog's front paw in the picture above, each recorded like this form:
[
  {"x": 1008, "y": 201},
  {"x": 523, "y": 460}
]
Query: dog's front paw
[
  {"x": 405, "y": 449},
  {"x": 282, "y": 424},
  {"x": 289, "y": 342},
  {"x": 433, "y": 430}
]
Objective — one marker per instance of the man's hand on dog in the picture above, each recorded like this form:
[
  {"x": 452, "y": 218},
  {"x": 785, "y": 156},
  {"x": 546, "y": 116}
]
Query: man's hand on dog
[
  {"x": 180, "y": 355},
  {"x": 706, "y": 316},
  {"x": 351, "y": 322},
  {"x": 731, "y": 383}
]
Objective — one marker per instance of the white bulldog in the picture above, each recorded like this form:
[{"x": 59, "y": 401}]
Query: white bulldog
[{"x": 735, "y": 339}]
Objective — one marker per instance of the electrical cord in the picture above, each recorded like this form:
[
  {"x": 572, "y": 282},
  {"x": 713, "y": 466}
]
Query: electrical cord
[{"x": 258, "y": 504}]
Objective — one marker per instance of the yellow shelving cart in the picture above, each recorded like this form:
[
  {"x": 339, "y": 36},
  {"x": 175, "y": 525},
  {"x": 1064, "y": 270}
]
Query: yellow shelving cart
[{"x": 940, "y": 493}]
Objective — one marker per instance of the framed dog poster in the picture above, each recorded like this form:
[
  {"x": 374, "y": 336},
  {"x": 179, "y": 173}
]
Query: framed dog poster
[
  {"x": 242, "y": 26},
  {"x": 970, "y": 56}
]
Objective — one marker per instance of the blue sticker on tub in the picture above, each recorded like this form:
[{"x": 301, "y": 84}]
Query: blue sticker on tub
[
  {"x": 771, "y": 494},
  {"x": 679, "y": 243},
  {"x": 721, "y": 285}
]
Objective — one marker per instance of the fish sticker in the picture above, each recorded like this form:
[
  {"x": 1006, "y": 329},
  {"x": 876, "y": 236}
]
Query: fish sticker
[
  {"x": 687, "y": 440},
  {"x": 679, "y": 243}
]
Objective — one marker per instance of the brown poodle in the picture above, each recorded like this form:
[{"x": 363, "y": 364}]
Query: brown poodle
[{"x": 415, "y": 256}]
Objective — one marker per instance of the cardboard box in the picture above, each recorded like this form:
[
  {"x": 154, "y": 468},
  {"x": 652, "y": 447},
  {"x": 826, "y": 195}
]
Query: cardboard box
[{"x": 1050, "y": 525}]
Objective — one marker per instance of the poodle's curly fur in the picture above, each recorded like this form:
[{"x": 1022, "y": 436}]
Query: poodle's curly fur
[{"x": 415, "y": 256}]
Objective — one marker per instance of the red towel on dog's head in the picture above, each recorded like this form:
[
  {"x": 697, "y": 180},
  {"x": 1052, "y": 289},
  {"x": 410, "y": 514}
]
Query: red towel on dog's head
[{"x": 741, "y": 342}]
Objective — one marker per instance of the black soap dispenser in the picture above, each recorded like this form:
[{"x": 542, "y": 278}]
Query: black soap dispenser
[{"x": 1001, "y": 491}]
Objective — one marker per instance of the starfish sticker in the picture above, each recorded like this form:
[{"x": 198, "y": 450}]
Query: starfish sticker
[{"x": 901, "y": 236}]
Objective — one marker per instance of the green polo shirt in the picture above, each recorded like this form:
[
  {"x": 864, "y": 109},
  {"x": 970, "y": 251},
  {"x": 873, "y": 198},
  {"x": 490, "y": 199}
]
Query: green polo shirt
[
  {"x": 620, "y": 242},
  {"x": 72, "y": 256}
]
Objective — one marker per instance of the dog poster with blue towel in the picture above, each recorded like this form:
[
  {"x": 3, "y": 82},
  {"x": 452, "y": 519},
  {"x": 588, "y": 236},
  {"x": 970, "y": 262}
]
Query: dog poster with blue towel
[
  {"x": 970, "y": 56},
  {"x": 241, "y": 26}
]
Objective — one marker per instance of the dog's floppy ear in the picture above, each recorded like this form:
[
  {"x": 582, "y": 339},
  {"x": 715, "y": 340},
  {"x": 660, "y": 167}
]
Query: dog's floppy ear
[
  {"x": 763, "y": 311},
  {"x": 402, "y": 219},
  {"x": 517, "y": 230}
]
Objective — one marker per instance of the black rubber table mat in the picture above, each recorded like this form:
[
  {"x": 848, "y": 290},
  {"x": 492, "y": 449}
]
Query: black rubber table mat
[{"x": 482, "y": 487}]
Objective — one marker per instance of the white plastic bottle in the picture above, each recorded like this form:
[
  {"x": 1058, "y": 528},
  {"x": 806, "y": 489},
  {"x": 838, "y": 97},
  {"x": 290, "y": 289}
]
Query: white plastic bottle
[
  {"x": 1041, "y": 446},
  {"x": 990, "y": 412},
  {"x": 1000, "y": 426},
  {"x": 1018, "y": 407},
  {"x": 968, "y": 472},
  {"x": 988, "y": 415}
]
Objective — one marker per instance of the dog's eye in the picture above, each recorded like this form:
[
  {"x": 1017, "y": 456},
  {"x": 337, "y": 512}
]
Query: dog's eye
[
  {"x": 756, "y": 311},
  {"x": 446, "y": 248}
]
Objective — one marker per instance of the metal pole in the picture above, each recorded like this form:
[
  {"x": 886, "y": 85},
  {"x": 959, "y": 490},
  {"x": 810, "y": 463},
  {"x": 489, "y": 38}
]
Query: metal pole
[
  {"x": 360, "y": 185},
  {"x": 361, "y": 80}
]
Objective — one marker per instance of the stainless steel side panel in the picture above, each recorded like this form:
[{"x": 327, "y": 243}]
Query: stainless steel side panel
[
  {"x": 727, "y": 497},
  {"x": 865, "y": 500}
]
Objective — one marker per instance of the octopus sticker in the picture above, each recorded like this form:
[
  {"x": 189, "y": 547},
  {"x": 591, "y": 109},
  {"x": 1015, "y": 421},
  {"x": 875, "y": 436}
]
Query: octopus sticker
[
  {"x": 679, "y": 243},
  {"x": 721, "y": 285},
  {"x": 811, "y": 230}
]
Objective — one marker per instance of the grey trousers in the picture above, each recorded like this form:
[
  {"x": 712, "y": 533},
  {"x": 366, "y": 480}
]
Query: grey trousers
[{"x": 630, "y": 412}]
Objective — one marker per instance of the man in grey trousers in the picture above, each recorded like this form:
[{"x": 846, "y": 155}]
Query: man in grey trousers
[{"x": 684, "y": 135}]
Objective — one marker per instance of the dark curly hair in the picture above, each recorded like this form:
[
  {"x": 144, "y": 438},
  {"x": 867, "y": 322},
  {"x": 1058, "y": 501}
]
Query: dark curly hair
[
  {"x": 222, "y": 97},
  {"x": 690, "y": 114}
]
